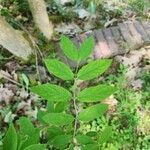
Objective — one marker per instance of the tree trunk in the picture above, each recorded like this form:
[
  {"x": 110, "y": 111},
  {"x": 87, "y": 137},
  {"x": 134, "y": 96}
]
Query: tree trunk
[
  {"x": 40, "y": 16},
  {"x": 13, "y": 41}
]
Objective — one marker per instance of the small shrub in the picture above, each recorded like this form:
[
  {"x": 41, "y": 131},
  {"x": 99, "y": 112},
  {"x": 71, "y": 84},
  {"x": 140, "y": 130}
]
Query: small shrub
[
  {"x": 138, "y": 5},
  {"x": 66, "y": 108}
]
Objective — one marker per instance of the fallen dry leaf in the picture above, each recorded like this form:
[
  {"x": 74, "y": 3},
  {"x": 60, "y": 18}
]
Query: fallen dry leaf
[
  {"x": 137, "y": 84},
  {"x": 68, "y": 29},
  {"x": 144, "y": 121},
  {"x": 5, "y": 95},
  {"x": 111, "y": 102}
]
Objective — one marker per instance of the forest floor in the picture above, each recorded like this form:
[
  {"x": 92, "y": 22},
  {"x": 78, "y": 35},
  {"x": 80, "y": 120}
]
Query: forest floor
[{"x": 129, "y": 108}]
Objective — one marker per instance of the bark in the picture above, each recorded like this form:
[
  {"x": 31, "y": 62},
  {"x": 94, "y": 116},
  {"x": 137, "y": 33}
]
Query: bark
[
  {"x": 40, "y": 16},
  {"x": 13, "y": 41}
]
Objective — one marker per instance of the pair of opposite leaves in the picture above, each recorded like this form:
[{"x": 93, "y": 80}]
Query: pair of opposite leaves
[
  {"x": 92, "y": 70},
  {"x": 87, "y": 72}
]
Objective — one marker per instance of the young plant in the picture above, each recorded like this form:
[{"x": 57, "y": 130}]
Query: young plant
[
  {"x": 27, "y": 138},
  {"x": 67, "y": 108},
  {"x": 61, "y": 96}
]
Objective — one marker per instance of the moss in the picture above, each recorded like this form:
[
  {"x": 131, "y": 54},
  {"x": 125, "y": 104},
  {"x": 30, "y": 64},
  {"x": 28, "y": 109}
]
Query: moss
[
  {"x": 98, "y": 25},
  {"x": 4, "y": 54},
  {"x": 48, "y": 48},
  {"x": 56, "y": 19},
  {"x": 67, "y": 16},
  {"x": 22, "y": 6},
  {"x": 31, "y": 59}
]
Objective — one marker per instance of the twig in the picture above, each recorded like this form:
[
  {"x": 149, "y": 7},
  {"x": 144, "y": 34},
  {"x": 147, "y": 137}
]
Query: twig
[
  {"x": 74, "y": 101},
  {"x": 37, "y": 68},
  {"x": 36, "y": 48},
  {"x": 76, "y": 109},
  {"x": 11, "y": 80},
  {"x": 8, "y": 58}
]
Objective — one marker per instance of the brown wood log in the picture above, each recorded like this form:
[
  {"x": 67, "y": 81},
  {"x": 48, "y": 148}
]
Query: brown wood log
[{"x": 40, "y": 16}]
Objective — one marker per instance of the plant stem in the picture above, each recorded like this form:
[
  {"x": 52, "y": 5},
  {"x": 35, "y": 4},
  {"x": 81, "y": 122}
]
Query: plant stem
[
  {"x": 9, "y": 79},
  {"x": 74, "y": 101},
  {"x": 75, "y": 108}
]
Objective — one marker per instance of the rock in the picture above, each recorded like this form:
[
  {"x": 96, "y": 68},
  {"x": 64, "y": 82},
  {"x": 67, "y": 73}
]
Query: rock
[
  {"x": 82, "y": 13},
  {"x": 5, "y": 95},
  {"x": 70, "y": 29},
  {"x": 137, "y": 84},
  {"x": 63, "y": 2},
  {"x": 13, "y": 41},
  {"x": 12, "y": 65}
]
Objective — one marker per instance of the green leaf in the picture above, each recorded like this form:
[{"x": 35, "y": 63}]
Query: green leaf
[
  {"x": 92, "y": 7},
  {"x": 84, "y": 139},
  {"x": 26, "y": 126},
  {"x": 96, "y": 93},
  {"x": 30, "y": 140},
  {"x": 59, "y": 69},
  {"x": 19, "y": 139},
  {"x": 58, "y": 119},
  {"x": 36, "y": 147},
  {"x": 90, "y": 147},
  {"x": 61, "y": 106},
  {"x": 86, "y": 48},
  {"x": 50, "y": 107},
  {"x": 61, "y": 141},
  {"x": 53, "y": 131},
  {"x": 40, "y": 115},
  {"x": 52, "y": 92},
  {"x": 93, "y": 112},
  {"x": 69, "y": 48},
  {"x": 25, "y": 79},
  {"x": 10, "y": 139},
  {"x": 94, "y": 69},
  {"x": 105, "y": 135},
  {"x": 91, "y": 133}
]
